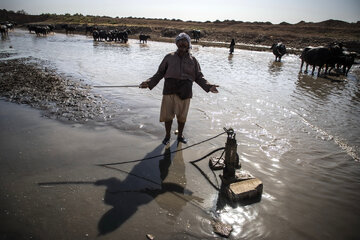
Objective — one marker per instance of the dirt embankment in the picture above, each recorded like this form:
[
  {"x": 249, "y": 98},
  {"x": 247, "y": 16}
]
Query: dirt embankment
[
  {"x": 248, "y": 35},
  {"x": 25, "y": 81}
]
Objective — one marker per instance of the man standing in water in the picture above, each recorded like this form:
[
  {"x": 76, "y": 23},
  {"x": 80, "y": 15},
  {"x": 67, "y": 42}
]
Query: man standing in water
[{"x": 180, "y": 69}]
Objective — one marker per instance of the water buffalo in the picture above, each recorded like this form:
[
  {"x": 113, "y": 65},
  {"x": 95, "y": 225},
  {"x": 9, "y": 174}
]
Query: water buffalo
[
  {"x": 96, "y": 35},
  {"x": 44, "y": 30},
  {"x": 196, "y": 35},
  {"x": 51, "y": 27},
  {"x": 31, "y": 28},
  {"x": 100, "y": 35},
  {"x": 103, "y": 35},
  {"x": 69, "y": 29},
  {"x": 279, "y": 50},
  {"x": 112, "y": 35},
  {"x": 319, "y": 56},
  {"x": 345, "y": 60},
  {"x": 143, "y": 38},
  {"x": 123, "y": 36}
]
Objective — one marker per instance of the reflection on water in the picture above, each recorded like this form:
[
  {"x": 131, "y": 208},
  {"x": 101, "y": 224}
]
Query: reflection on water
[
  {"x": 275, "y": 68},
  {"x": 230, "y": 58},
  {"x": 298, "y": 133}
]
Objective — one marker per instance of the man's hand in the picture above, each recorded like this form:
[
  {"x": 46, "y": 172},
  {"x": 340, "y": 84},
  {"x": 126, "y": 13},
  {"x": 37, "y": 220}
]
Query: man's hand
[
  {"x": 213, "y": 89},
  {"x": 144, "y": 85}
]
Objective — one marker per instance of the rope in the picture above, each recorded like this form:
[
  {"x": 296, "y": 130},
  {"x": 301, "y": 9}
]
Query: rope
[
  {"x": 202, "y": 172},
  {"x": 119, "y": 86},
  {"x": 160, "y": 155},
  {"x": 108, "y": 165}
]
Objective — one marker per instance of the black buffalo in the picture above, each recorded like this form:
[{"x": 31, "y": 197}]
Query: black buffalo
[
  {"x": 112, "y": 35},
  {"x": 42, "y": 30},
  {"x": 96, "y": 35},
  {"x": 143, "y": 38},
  {"x": 279, "y": 50},
  {"x": 319, "y": 56},
  {"x": 345, "y": 60},
  {"x": 103, "y": 35},
  {"x": 68, "y": 29},
  {"x": 123, "y": 36},
  {"x": 196, "y": 35},
  {"x": 31, "y": 28},
  {"x": 100, "y": 35}
]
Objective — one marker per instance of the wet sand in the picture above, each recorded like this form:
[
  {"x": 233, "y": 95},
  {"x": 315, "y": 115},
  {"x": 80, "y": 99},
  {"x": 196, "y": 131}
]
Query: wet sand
[{"x": 52, "y": 188}]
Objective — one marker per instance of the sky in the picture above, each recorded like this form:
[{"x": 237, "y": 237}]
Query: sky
[{"x": 274, "y": 11}]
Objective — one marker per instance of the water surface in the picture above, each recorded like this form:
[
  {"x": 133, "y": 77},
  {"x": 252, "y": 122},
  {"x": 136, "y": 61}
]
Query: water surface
[{"x": 298, "y": 133}]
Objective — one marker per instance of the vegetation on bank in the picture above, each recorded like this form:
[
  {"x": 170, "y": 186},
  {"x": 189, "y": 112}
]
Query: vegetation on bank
[{"x": 297, "y": 35}]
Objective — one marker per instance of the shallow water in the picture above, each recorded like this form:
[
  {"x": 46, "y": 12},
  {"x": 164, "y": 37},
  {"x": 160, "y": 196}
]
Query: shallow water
[{"x": 298, "y": 133}]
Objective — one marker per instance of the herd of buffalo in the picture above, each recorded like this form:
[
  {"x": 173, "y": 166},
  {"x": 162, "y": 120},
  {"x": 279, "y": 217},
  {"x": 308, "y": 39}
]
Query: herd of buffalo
[
  {"x": 326, "y": 58},
  {"x": 331, "y": 56}
]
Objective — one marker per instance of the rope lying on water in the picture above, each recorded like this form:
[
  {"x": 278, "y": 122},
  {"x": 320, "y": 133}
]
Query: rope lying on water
[
  {"x": 160, "y": 155},
  {"x": 203, "y": 173}
]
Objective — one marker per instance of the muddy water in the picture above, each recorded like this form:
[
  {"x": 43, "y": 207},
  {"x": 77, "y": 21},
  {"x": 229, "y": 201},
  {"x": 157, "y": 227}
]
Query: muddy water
[{"x": 298, "y": 133}]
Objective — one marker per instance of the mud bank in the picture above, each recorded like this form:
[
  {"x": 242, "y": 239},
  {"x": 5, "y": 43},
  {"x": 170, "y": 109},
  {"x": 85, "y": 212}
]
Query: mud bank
[{"x": 26, "y": 81}]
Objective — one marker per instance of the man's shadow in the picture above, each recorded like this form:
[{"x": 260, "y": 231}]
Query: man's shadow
[{"x": 148, "y": 180}]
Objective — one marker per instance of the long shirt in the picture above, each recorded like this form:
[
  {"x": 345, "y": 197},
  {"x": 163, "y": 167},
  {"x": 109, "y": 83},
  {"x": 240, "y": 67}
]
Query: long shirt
[{"x": 179, "y": 73}]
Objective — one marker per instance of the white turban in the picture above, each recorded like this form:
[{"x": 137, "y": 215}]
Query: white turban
[{"x": 183, "y": 36}]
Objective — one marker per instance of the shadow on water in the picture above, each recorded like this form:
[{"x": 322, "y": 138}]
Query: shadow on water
[{"x": 164, "y": 183}]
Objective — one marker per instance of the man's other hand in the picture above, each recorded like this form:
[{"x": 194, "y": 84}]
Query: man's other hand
[{"x": 213, "y": 89}]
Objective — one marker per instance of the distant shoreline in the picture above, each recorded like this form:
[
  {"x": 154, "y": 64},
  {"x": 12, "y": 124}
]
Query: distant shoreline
[{"x": 247, "y": 35}]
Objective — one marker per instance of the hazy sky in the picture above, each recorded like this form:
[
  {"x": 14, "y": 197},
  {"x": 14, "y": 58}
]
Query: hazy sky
[{"x": 275, "y": 11}]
